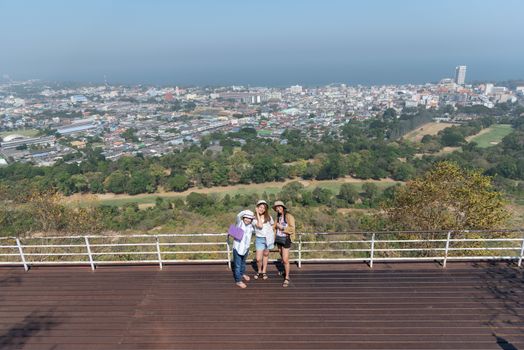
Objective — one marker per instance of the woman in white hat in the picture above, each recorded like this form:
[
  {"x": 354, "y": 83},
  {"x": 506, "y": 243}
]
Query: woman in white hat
[
  {"x": 284, "y": 229},
  {"x": 265, "y": 237},
  {"x": 241, "y": 247}
]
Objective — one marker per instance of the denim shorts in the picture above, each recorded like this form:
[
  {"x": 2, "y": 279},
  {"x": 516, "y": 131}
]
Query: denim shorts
[{"x": 260, "y": 244}]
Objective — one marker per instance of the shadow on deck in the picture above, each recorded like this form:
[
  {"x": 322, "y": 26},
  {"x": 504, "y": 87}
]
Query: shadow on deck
[{"x": 327, "y": 306}]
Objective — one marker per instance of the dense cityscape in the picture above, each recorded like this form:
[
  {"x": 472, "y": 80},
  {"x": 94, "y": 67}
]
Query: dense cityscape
[
  {"x": 229, "y": 175},
  {"x": 43, "y": 122}
]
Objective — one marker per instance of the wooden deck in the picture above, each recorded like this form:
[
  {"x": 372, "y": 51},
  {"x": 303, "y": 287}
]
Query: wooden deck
[{"x": 331, "y": 306}]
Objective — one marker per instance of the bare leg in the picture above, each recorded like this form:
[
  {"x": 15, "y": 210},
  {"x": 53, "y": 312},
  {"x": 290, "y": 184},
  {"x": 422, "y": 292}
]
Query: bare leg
[
  {"x": 265, "y": 259},
  {"x": 281, "y": 258},
  {"x": 285, "y": 261},
  {"x": 260, "y": 267}
]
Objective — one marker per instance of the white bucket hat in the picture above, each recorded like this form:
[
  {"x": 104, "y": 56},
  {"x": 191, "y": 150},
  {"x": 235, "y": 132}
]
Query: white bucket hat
[
  {"x": 262, "y": 202},
  {"x": 248, "y": 214}
]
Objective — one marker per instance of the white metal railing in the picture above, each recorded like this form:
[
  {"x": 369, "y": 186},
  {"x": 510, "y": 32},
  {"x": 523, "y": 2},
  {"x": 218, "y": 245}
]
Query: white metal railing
[{"x": 368, "y": 247}]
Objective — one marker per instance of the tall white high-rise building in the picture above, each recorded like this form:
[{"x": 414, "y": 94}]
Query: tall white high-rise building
[
  {"x": 489, "y": 89},
  {"x": 460, "y": 75}
]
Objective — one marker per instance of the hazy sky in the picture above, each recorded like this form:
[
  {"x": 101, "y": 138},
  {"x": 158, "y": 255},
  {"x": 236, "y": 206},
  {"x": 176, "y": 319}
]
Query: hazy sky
[{"x": 265, "y": 42}]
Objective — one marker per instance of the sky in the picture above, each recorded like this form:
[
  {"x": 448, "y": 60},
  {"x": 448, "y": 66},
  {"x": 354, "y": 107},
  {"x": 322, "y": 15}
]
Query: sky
[{"x": 261, "y": 43}]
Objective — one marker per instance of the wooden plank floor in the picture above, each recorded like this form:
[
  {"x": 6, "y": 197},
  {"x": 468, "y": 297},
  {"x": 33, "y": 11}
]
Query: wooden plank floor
[{"x": 331, "y": 306}]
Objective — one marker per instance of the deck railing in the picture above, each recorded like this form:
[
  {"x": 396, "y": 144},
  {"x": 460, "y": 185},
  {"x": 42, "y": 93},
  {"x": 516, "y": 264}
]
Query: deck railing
[{"x": 368, "y": 247}]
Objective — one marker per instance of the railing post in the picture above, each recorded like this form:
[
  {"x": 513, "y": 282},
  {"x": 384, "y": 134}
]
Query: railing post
[
  {"x": 22, "y": 257},
  {"x": 159, "y": 254},
  {"x": 89, "y": 253},
  {"x": 521, "y": 252},
  {"x": 447, "y": 250},
  {"x": 300, "y": 251},
  {"x": 372, "y": 250},
  {"x": 228, "y": 253}
]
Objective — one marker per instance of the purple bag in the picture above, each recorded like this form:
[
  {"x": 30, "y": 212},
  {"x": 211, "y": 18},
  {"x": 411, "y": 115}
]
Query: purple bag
[{"x": 236, "y": 232}]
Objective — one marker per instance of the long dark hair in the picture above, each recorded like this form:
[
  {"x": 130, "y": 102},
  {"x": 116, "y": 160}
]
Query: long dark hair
[{"x": 284, "y": 212}]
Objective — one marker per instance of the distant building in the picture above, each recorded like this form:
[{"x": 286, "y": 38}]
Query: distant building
[
  {"x": 13, "y": 137},
  {"x": 169, "y": 97},
  {"x": 499, "y": 90},
  {"x": 489, "y": 89},
  {"x": 295, "y": 89},
  {"x": 78, "y": 99},
  {"x": 273, "y": 96},
  {"x": 77, "y": 126},
  {"x": 79, "y": 144},
  {"x": 255, "y": 99},
  {"x": 13, "y": 143},
  {"x": 460, "y": 75}
]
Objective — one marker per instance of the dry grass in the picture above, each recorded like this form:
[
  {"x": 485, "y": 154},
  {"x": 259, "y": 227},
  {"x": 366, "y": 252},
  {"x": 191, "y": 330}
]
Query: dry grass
[
  {"x": 427, "y": 129},
  {"x": 268, "y": 187}
]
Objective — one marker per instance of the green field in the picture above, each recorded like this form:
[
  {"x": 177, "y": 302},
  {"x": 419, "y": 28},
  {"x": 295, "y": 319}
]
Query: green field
[
  {"x": 23, "y": 132},
  {"x": 493, "y": 136}
]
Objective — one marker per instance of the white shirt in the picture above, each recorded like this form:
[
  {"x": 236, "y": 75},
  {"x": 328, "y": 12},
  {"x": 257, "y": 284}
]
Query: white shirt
[
  {"x": 242, "y": 246},
  {"x": 266, "y": 231}
]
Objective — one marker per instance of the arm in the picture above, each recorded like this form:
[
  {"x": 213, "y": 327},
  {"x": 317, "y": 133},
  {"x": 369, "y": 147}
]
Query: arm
[
  {"x": 239, "y": 217},
  {"x": 257, "y": 222}
]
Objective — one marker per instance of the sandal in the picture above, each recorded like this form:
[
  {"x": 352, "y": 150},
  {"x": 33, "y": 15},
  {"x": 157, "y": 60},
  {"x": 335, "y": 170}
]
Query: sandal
[
  {"x": 246, "y": 277},
  {"x": 264, "y": 276},
  {"x": 257, "y": 275},
  {"x": 286, "y": 283},
  {"x": 241, "y": 285}
]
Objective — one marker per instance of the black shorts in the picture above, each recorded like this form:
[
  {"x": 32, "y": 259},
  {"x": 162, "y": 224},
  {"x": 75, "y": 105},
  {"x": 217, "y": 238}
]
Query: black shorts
[{"x": 287, "y": 245}]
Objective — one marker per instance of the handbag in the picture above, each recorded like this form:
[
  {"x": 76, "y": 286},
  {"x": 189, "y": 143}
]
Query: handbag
[
  {"x": 282, "y": 240},
  {"x": 236, "y": 232}
]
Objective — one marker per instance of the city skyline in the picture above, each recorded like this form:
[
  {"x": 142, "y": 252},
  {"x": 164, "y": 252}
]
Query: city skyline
[{"x": 270, "y": 44}]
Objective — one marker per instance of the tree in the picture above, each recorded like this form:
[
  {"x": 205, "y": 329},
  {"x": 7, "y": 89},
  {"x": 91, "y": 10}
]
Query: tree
[
  {"x": 129, "y": 135},
  {"x": 447, "y": 198},
  {"x": 292, "y": 192},
  {"x": 219, "y": 174},
  {"x": 332, "y": 169},
  {"x": 348, "y": 193},
  {"x": 264, "y": 169},
  {"x": 195, "y": 171},
  {"x": 389, "y": 113},
  {"x": 141, "y": 182},
  {"x": 322, "y": 195},
  {"x": 452, "y": 137},
  {"x": 403, "y": 171},
  {"x": 370, "y": 193},
  {"x": 240, "y": 168},
  {"x": 80, "y": 182},
  {"x": 116, "y": 182},
  {"x": 198, "y": 201},
  {"x": 178, "y": 183}
]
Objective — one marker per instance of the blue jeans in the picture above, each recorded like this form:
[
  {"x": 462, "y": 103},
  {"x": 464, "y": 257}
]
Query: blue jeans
[{"x": 239, "y": 265}]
